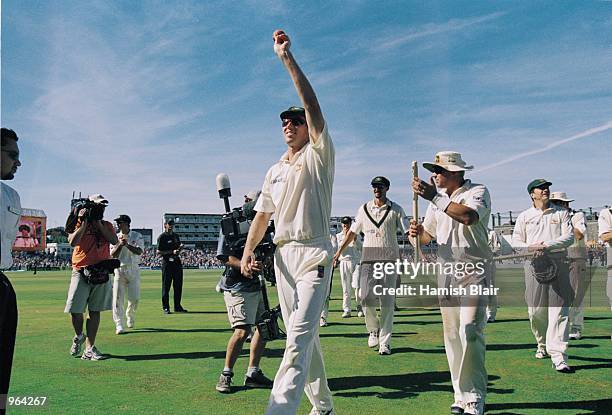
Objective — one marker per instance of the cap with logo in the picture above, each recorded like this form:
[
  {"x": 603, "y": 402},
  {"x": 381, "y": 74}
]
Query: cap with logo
[
  {"x": 99, "y": 199},
  {"x": 292, "y": 112},
  {"x": 169, "y": 221},
  {"x": 449, "y": 161},
  {"x": 123, "y": 219},
  {"x": 380, "y": 180},
  {"x": 561, "y": 196},
  {"x": 347, "y": 220},
  {"x": 537, "y": 183}
]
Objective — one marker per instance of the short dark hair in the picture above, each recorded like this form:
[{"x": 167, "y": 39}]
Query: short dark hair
[{"x": 8, "y": 134}]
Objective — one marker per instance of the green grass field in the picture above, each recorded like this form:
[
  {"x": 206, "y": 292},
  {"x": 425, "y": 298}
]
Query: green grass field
[{"x": 170, "y": 363}]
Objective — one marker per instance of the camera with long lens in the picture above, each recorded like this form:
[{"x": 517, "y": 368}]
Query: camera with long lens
[
  {"x": 94, "y": 211},
  {"x": 235, "y": 225}
]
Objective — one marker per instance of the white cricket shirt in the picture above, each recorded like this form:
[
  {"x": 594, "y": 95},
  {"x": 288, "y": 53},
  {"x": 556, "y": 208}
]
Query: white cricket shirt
[
  {"x": 353, "y": 251},
  {"x": 10, "y": 206},
  {"x": 381, "y": 227},
  {"x": 604, "y": 224},
  {"x": 551, "y": 226},
  {"x": 457, "y": 241},
  {"x": 299, "y": 193},
  {"x": 127, "y": 257}
]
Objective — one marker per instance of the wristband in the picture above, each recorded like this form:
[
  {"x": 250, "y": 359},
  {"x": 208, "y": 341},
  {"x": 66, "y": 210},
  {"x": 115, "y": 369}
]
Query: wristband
[{"x": 441, "y": 201}]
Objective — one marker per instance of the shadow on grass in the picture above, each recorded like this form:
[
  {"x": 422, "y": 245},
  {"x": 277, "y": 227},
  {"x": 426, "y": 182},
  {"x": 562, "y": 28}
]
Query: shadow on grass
[
  {"x": 596, "y": 407},
  {"x": 363, "y": 336},
  {"x": 604, "y": 363},
  {"x": 158, "y": 330},
  {"x": 497, "y": 347},
  {"x": 598, "y": 318},
  {"x": 402, "y": 386},
  {"x": 220, "y": 354},
  {"x": 400, "y": 350}
]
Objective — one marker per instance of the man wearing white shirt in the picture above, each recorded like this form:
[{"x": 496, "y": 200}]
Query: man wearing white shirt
[
  {"x": 577, "y": 255},
  {"x": 604, "y": 224},
  {"x": 457, "y": 219},
  {"x": 347, "y": 263},
  {"x": 297, "y": 190},
  {"x": 546, "y": 229},
  {"x": 10, "y": 212},
  {"x": 379, "y": 219},
  {"x": 325, "y": 312},
  {"x": 127, "y": 276},
  {"x": 495, "y": 245}
]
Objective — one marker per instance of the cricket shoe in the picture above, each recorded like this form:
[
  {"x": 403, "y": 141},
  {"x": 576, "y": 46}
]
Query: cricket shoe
[
  {"x": 224, "y": 385},
  {"x": 575, "y": 335},
  {"x": 119, "y": 330},
  {"x": 92, "y": 353},
  {"x": 474, "y": 408},
  {"x": 323, "y": 322},
  {"x": 77, "y": 342},
  {"x": 130, "y": 324},
  {"x": 360, "y": 312},
  {"x": 541, "y": 354},
  {"x": 562, "y": 367},
  {"x": 457, "y": 408},
  {"x": 373, "y": 339},
  {"x": 346, "y": 314},
  {"x": 384, "y": 349},
  {"x": 258, "y": 380},
  {"x": 315, "y": 411}
]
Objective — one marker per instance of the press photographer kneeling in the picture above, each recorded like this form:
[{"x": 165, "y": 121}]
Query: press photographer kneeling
[{"x": 244, "y": 300}]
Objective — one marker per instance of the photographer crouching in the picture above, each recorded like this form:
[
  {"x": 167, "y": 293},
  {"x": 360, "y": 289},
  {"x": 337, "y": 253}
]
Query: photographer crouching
[
  {"x": 90, "y": 285},
  {"x": 245, "y": 307}
]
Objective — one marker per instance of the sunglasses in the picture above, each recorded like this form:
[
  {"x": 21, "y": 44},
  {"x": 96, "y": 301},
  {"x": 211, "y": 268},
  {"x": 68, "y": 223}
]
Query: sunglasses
[
  {"x": 438, "y": 170},
  {"x": 14, "y": 155},
  {"x": 295, "y": 121}
]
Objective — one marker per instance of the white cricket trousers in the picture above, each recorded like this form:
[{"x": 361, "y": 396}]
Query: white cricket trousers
[
  {"x": 548, "y": 307},
  {"x": 382, "y": 324},
  {"x": 464, "y": 342},
  {"x": 580, "y": 284},
  {"x": 126, "y": 279},
  {"x": 303, "y": 271},
  {"x": 347, "y": 268}
]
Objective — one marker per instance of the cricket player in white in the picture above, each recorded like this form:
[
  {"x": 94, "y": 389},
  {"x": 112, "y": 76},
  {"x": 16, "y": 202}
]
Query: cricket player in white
[
  {"x": 495, "y": 245},
  {"x": 127, "y": 276},
  {"x": 379, "y": 219},
  {"x": 298, "y": 191},
  {"x": 543, "y": 228},
  {"x": 347, "y": 262},
  {"x": 577, "y": 254},
  {"x": 325, "y": 311},
  {"x": 604, "y": 224},
  {"x": 457, "y": 219}
]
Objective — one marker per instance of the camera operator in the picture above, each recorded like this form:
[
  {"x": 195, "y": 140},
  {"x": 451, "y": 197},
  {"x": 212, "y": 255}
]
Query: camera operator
[
  {"x": 169, "y": 246},
  {"x": 245, "y": 306},
  {"x": 91, "y": 239}
]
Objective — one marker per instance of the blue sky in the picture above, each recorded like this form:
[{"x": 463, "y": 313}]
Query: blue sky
[{"x": 145, "y": 102}]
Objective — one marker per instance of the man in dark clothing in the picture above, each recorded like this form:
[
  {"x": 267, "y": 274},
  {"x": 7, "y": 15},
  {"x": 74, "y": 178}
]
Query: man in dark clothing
[{"x": 169, "y": 246}]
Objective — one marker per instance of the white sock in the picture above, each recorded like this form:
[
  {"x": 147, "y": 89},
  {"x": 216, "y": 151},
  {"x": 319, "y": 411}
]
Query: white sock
[
  {"x": 251, "y": 370},
  {"x": 227, "y": 370}
]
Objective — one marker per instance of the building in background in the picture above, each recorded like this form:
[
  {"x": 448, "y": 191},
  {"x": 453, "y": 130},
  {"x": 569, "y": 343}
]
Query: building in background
[{"x": 196, "y": 230}]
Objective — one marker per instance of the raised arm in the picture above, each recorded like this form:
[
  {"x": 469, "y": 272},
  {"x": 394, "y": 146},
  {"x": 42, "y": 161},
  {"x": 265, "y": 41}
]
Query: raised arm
[{"x": 314, "y": 116}]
